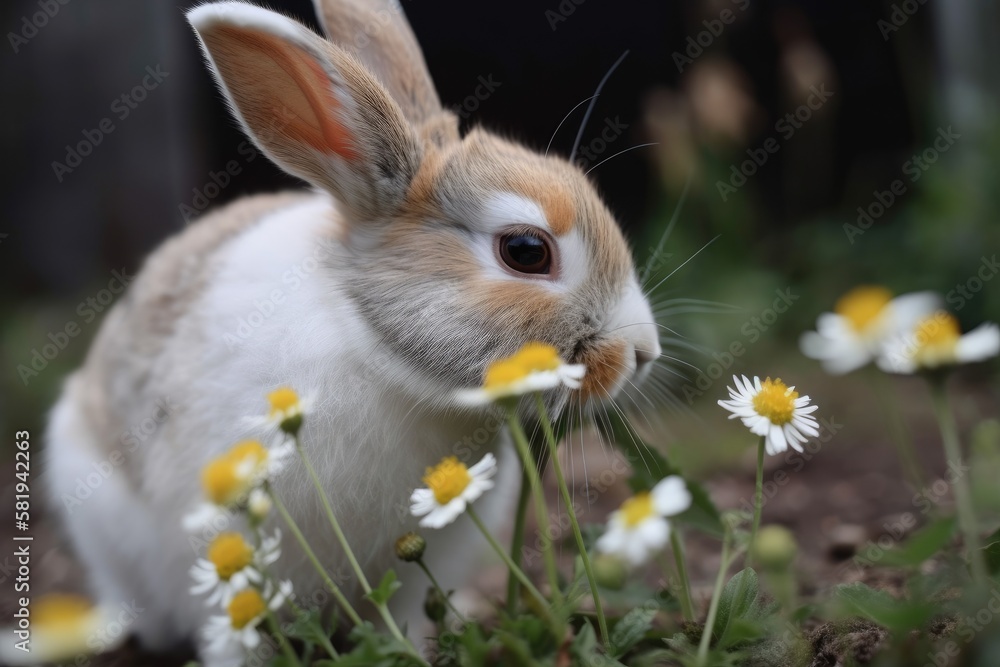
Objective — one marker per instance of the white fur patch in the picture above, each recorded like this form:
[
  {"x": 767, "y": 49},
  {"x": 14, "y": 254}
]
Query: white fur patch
[
  {"x": 242, "y": 15},
  {"x": 504, "y": 209},
  {"x": 633, "y": 320}
]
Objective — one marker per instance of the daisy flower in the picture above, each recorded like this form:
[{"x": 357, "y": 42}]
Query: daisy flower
[
  {"x": 639, "y": 528},
  {"x": 450, "y": 488},
  {"x": 287, "y": 409},
  {"x": 229, "y": 480},
  {"x": 863, "y": 319},
  {"x": 62, "y": 627},
  {"x": 231, "y": 565},
  {"x": 244, "y": 613},
  {"x": 773, "y": 410},
  {"x": 535, "y": 367},
  {"x": 938, "y": 341}
]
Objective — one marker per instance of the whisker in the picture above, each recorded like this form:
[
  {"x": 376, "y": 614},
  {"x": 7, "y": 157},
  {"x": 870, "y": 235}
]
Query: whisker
[
  {"x": 686, "y": 262},
  {"x": 590, "y": 108},
  {"x": 644, "y": 274},
  {"x": 653, "y": 143},
  {"x": 565, "y": 118}
]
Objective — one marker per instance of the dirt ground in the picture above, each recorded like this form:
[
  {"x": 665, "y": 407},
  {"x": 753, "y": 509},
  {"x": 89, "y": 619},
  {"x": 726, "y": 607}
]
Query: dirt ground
[{"x": 838, "y": 501}]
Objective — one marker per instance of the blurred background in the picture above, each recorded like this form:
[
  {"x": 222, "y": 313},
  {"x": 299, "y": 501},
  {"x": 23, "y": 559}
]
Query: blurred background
[{"x": 820, "y": 145}]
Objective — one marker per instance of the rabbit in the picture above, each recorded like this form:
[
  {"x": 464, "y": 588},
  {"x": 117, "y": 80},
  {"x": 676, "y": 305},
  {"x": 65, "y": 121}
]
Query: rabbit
[{"x": 418, "y": 257}]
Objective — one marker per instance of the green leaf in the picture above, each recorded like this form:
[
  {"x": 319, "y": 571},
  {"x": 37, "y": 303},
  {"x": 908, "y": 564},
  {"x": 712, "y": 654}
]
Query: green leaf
[
  {"x": 475, "y": 648},
  {"x": 921, "y": 545},
  {"x": 585, "y": 642},
  {"x": 307, "y": 627},
  {"x": 738, "y": 601},
  {"x": 882, "y": 608},
  {"x": 389, "y": 585},
  {"x": 630, "y": 630}
]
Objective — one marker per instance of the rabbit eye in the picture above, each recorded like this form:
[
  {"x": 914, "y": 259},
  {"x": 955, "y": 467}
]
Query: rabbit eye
[{"x": 526, "y": 253}]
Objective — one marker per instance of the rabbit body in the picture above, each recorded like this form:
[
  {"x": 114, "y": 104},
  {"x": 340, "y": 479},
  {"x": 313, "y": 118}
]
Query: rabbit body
[
  {"x": 420, "y": 257},
  {"x": 366, "y": 447}
]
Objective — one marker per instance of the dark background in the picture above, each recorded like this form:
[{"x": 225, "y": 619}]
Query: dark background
[{"x": 893, "y": 91}]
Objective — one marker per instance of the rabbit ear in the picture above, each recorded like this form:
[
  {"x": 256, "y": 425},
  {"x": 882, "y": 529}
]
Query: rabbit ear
[
  {"x": 311, "y": 107},
  {"x": 377, "y": 32}
]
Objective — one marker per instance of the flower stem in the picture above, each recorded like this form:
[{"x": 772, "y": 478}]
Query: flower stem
[
  {"x": 677, "y": 546},
  {"x": 272, "y": 623},
  {"x": 444, "y": 595},
  {"x": 758, "y": 499},
  {"x": 963, "y": 498},
  {"x": 383, "y": 609},
  {"x": 518, "y": 572},
  {"x": 517, "y": 542},
  {"x": 587, "y": 566},
  {"x": 530, "y": 467},
  {"x": 713, "y": 608},
  {"x": 337, "y": 594}
]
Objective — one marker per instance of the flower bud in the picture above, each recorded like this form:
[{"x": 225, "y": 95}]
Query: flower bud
[
  {"x": 410, "y": 547},
  {"x": 775, "y": 548},
  {"x": 258, "y": 505},
  {"x": 435, "y": 606},
  {"x": 291, "y": 425},
  {"x": 610, "y": 572}
]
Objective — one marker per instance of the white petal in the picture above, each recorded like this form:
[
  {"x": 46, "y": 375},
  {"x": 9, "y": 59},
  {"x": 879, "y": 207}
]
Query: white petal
[
  {"x": 441, "y": 516},
  {"x": 422, "y": 501},
  {"x": 981, "y": 343},
  {"x": 775, "y": 442},
  {"x": 476, "y": 488},
  {"x": 201, "y": 517},
  {"x": 486, "y": 467},
  {"x": 654, "y": 533},
  {"x": 671, "y": 496},
  {"x": 250, "y": 637},
  {"x": 908, "y": 310},
  {"x": 896, "y": 356},
  {"x": 473, "y": 397}
]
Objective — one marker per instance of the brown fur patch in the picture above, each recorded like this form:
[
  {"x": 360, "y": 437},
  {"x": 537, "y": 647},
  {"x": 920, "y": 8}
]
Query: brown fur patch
[
  {"x": 539, "y": 185},
  {"x": 605, "y": 364}
]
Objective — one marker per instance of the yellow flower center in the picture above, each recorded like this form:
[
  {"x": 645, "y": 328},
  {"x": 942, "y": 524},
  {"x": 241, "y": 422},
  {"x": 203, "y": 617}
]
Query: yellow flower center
[
  {"x": 502, "y": 373},
  {"x": 863, "y": 305},
  {"x": 637, "y": 509},
  {"x": 935, "y": 339},
  {"x": 245, "y": 607},
  {"x": 229, "y": 553},
  {"x": 226, "y": 478},
  {"x": 775, "y": 401},
  {"x": 447, "y": 480},
  {"x": 58, "y": 612},
  {"x": 538, "y": 357},
  {"x": 531, "y": 358},
  {"x": 220, "y": 481},
  {"x": 283, "y": 401},
  {"x": 248, "y": 451}
]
